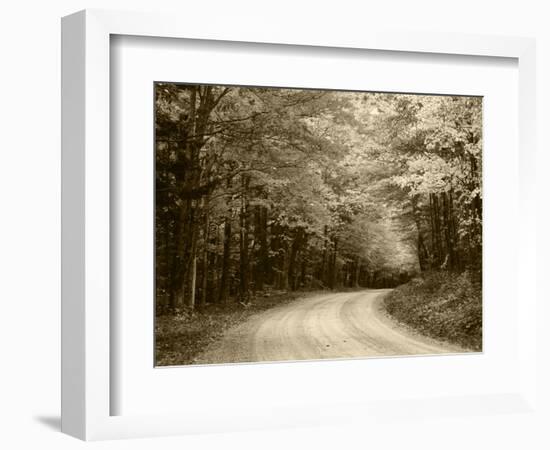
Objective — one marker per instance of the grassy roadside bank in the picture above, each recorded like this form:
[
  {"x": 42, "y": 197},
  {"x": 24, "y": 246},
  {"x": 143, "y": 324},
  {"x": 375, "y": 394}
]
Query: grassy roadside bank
[
  {"x": 441, "y": 305},
  {"x": 181, "y": 338}
]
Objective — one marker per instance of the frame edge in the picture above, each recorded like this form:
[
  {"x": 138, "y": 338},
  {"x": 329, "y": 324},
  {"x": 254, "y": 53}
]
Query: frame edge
[{"x": 73, "y": 83}]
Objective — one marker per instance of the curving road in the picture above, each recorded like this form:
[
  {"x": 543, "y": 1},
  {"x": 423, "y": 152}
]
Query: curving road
[{"x": 343, "y": 325}]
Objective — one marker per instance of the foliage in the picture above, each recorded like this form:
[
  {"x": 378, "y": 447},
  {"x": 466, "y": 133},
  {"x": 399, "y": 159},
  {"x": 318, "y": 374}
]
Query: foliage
[
  {"x": 443, "y": 305},
  {"x": 434, "y": 145},
  {"x": 268, "y": 187}
]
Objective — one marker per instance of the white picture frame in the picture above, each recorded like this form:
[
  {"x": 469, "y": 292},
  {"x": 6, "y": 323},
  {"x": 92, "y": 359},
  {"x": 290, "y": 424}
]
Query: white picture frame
[{"x": 86, "y": 324}]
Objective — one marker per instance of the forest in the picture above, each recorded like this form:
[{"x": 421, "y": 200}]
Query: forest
[{"x": 261, "y": 189}]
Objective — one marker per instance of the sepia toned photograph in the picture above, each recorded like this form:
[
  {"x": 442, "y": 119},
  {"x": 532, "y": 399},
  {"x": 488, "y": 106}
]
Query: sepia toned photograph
[{"x": 303, "y": 224}]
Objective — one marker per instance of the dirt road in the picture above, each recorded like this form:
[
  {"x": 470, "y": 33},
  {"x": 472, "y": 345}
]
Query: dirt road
[{"x": 326, "y": 326}]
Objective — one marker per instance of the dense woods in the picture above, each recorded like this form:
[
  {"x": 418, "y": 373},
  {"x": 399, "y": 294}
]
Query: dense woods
[{"x": 288, "y": 189}]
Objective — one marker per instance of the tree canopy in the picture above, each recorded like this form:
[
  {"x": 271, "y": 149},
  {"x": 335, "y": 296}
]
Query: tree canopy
[{"x": 291, "y": 189}]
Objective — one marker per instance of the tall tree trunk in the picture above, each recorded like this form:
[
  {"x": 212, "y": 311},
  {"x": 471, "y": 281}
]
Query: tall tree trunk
[
  {"x": 477, "y": 198},
  {"x": 332, "y": 274},
  {"x": 189, "y": 237},
  {"x": 176, "y": 264},
  {"x": 324, "y": 262},
  {"x": 303, "y": 269},
  {"x": 439, "y": 239},
  {"x": 283, "y": 267},
  {"x": 192, "y": 130},
  {"x": 218, "y": 266},
  {"x": 193, "y": 282},
  {"x": 357, "y": 272},
  {"x": 420, "y": 245},
  {"x": 454, "y": 232},
  {"x": 303, "y": 260},
  {"x": 244, "y": 286},
  {"x": 262, "y": 266},
  {"x": 275, "y": 245},
  {"x": 450, "y": 233},
  {"x": 433, "y": 258},
  {"x": 226, "y": 261},
  {"x": 206, "y": 226},
  {"x": 191, "y": 279},
  {"x": 189, "y": 176},
  {"x": 449, "y": 257},
  {"x": 294, "y": 248}
]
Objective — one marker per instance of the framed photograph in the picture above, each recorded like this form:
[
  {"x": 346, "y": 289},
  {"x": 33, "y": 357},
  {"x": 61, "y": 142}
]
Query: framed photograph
[
  {"x": 266, "y": 228},
  {"x": 329, "y": 191}
]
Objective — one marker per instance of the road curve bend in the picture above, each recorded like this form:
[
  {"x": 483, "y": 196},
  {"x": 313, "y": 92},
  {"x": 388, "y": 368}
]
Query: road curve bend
[{"x": 326, "y": 326}]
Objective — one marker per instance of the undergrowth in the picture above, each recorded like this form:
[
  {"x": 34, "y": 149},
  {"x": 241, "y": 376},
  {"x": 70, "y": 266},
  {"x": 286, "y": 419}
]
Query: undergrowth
[
  {"x": 441, "y": 305},
  {"x": 180, "y": 338}
]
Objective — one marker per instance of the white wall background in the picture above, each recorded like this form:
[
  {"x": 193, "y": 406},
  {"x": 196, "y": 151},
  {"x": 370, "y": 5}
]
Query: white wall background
[{"x": 30, "y": 198}]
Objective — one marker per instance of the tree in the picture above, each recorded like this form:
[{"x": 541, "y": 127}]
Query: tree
[{"x": 261, "y": 188}]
